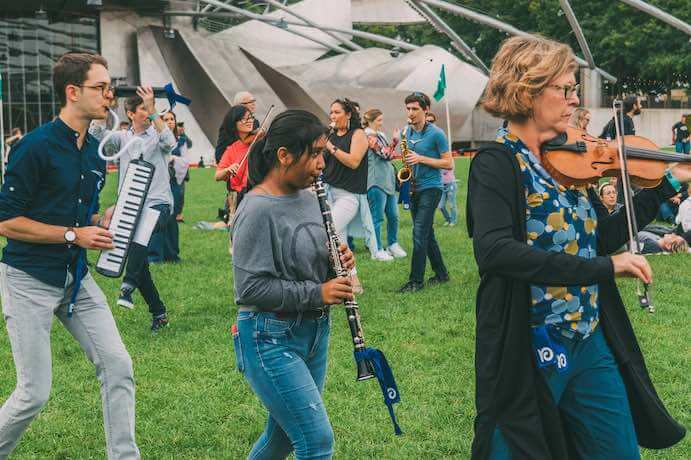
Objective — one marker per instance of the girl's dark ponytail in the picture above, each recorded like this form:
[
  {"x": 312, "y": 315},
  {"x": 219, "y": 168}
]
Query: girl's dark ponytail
[{"x": 258, "y": 165}]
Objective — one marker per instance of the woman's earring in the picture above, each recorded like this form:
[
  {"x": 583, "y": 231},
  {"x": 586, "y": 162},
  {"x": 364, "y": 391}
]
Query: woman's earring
[{"x": 348, "y": 125}]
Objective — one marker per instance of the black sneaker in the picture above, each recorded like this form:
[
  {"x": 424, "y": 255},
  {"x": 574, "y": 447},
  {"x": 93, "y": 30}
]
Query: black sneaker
[
  {"x": 125, "y": 298},
  {"x": 159, "y": 322},
  {"x": 411, "y": 286},
  {"x": 437, "y": 279}
]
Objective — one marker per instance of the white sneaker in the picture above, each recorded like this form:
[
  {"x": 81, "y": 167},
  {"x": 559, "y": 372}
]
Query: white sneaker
[
  {"x": 382, "y": 256},
  {"x": 396, "y": 250}
]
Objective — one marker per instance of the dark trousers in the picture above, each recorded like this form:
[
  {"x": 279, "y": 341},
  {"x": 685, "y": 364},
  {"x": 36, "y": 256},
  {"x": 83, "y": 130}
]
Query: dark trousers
[
  {"x": 171, "y": 249},
  {"x": 423, "y": 204},
  {"x": 137, "y": 274}
]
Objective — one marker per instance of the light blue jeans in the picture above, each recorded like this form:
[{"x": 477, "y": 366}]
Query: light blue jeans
[
  {"x": 448, "y": 196},
  {"x": 29, "y": 307},
  {"x": 284, "y": 362},
  {"x": 380, "y": 204}
]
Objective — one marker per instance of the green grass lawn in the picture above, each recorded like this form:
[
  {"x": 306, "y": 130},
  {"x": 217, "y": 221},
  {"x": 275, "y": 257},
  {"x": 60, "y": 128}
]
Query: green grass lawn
[{"x": 193, "y": 404}]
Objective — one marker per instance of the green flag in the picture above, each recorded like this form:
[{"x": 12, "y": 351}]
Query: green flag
[{"x": 441, "y": 85}]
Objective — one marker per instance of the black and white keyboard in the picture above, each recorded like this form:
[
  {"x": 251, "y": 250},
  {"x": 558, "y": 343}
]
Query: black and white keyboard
[{"x": 128, "y": 209}]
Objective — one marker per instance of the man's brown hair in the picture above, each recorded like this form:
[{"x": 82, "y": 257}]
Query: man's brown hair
[{"x": 71, "y": 69}]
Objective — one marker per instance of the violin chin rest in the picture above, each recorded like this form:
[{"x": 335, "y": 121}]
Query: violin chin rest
[{"x": 555, "y": 143}]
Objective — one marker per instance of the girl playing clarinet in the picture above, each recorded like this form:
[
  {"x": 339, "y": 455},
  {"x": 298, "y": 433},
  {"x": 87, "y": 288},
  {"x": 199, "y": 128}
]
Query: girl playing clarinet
[{"x": 283, "y": 288}]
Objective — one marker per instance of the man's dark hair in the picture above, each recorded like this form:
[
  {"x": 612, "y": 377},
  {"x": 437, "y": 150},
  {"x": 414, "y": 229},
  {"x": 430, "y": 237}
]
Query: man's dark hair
[
  {"x": 72, "y": 69},
  {"x": 132, "y": 102},
  {"x": 629, "y": 103},
  {"x": 420, "y": 98}
]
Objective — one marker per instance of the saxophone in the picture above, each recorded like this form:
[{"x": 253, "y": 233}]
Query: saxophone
[
  {"x": 405, "y": 174},
  {"x": 364, "y": 368}
]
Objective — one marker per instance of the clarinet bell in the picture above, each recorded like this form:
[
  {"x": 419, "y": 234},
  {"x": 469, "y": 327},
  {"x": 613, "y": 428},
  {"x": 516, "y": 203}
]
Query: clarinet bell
[{"x": 364, "y": 370}]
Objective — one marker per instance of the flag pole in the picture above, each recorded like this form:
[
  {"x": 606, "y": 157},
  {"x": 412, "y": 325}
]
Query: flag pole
[{"x": 448, "y": 121}]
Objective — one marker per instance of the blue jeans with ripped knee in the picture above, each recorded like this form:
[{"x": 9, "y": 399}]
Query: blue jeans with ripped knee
[{"x": 284, "y": 362}]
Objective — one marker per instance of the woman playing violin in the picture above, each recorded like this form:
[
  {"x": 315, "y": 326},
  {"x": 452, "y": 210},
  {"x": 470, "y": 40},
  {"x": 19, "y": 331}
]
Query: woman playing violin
[
  {"x": 559, "y": 372},
  {"x": 232, "y": 168}
]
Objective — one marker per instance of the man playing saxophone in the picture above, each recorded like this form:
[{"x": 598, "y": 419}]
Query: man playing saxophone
[{"x": 427, "y": 154}]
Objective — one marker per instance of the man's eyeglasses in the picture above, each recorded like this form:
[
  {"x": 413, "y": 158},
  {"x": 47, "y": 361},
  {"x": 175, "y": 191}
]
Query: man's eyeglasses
[
  {"x": 251, "y": 101},
  {"x": 105, "y": 88},
  {"x": 569, "y": 90}
]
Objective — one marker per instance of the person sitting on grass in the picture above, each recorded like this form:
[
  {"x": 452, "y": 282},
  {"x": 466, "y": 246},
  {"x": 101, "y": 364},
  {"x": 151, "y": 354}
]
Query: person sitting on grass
[
  {"x": 608, "y": 195},
  {"x": 652, "y": 243}
]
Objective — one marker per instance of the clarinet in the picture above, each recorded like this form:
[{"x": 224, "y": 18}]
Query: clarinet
[{"x": 364, "y": 368}]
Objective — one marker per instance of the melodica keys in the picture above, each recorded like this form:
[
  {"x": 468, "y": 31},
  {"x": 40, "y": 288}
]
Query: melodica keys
[{"x": 128, "y": 209}]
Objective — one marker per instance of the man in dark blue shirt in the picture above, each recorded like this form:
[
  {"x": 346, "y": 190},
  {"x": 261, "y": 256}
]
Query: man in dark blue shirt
[
  {"x": 429, "y": 153},
  {"x": 48, "y": 212}
]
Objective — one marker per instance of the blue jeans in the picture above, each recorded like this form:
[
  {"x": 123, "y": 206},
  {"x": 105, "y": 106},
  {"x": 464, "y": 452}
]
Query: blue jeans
[
  {"x": 379, "y": 204},
  {"x": 448, "y": 196},
  {"x": 171, "y": 247},
  {"x": 284, "y": 362},
  {"x": 137, "y": 274},
  {"x": 422, "y": 206},
  {"x": 682, "y": 147},
  {"x": 593, "y": 401}
]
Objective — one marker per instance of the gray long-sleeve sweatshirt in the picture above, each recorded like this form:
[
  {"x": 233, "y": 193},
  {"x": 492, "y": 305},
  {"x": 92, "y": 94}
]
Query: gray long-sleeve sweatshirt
[{"x": 280, "y": 256}]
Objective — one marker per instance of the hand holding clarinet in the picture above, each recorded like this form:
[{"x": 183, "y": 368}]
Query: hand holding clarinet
[{"x": 340, "y": 289}]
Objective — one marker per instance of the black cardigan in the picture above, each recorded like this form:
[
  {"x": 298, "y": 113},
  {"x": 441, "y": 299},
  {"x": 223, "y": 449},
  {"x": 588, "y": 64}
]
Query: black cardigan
[{"x": 509, "y": 391}]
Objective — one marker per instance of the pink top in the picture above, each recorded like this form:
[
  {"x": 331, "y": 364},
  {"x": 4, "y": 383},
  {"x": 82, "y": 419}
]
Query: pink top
[{"x": 447, "y": 176}]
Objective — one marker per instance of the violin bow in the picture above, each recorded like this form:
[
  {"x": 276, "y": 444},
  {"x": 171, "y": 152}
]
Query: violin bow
[
  {"x": 645, "y": 296},
  {"x": 261, "y": 127}
]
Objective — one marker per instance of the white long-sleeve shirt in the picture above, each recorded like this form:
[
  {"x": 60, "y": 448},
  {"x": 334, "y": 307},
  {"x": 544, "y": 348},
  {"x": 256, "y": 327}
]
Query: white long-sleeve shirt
[{"x": 154, "y": 148}]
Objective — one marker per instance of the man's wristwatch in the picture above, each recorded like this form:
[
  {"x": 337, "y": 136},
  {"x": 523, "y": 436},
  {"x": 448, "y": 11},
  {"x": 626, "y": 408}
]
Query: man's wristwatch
[
  {"x": 153, "y": 116},
  {"x": 70, "y": 235}
]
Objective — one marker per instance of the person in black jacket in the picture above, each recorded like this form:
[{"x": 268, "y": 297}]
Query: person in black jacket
[
  {"x": 632, "y": 107},
  {"x": 559, "y": 373}
]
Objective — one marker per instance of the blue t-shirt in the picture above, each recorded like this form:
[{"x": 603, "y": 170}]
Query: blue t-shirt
[{"x": 430, "y": 142}]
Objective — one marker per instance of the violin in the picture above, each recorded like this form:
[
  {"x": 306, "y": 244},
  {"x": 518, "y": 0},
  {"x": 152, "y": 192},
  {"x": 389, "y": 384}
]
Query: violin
[{"x": 577, "y": 158}]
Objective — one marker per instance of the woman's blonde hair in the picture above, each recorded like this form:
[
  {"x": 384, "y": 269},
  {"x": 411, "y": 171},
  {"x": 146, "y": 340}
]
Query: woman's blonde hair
[
  {"x": 577, "y": 116},
  {"x": 370, "y": 116},
  {"x": 522, "y": 68}
]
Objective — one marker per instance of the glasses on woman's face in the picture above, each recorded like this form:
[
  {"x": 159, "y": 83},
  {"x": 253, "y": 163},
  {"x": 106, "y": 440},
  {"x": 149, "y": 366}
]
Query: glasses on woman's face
[
  {"x": 569, "y": 90},
  {"x": 247, "y": 120}
]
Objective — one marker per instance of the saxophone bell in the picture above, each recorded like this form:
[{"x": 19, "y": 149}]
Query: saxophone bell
[{"x": 406, "y": 172}]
